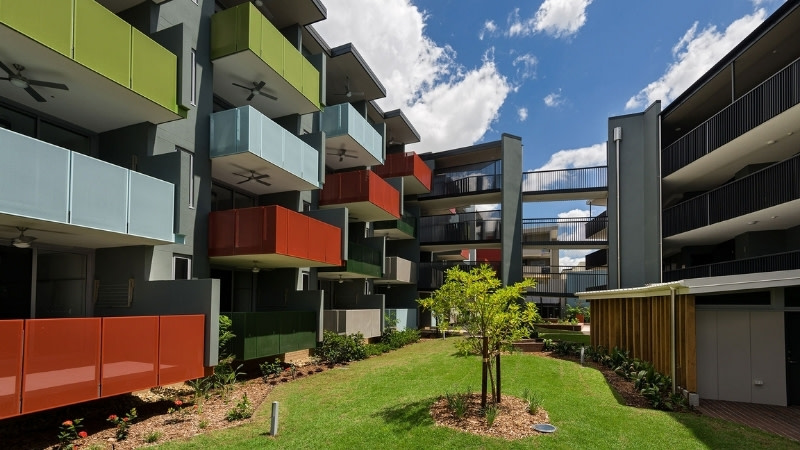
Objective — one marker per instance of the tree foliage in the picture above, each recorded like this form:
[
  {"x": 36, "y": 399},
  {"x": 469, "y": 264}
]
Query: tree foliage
[{"x": 484, "y": 308}]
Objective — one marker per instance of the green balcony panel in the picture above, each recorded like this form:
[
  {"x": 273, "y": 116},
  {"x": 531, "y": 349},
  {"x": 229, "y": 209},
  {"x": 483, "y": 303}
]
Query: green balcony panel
[
  {"x": 153, "y": 71},
  {"x": 292, "y": 68},
  {"x": 310, "y": 79},
  {"x": 263, "y": 334},
  {"x": 269, "y": 336},
  {"x": 46, "y": 21},
  {"x": 102, "y": 41},
  {"x": 272, "y": 47}
]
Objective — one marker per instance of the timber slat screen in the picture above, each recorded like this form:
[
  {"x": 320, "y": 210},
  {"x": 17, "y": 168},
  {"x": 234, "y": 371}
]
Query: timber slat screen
[{"x": 641, "y": 325}]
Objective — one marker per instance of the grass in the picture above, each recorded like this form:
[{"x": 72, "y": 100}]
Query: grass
[
  {"x": 384, "y": 403},
  {"x": 563, "y": 335}
]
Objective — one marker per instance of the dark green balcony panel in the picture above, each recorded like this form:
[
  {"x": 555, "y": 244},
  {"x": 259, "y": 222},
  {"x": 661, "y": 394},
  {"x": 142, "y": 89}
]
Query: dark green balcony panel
[{"x": 263, "y": 334}]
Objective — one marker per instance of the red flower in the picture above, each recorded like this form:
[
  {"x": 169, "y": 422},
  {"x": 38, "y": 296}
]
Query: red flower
[
  {"x": 83, "y": 434},
  {"x": 125, "y": 419},
  {"x": 67, "y": 423},
  {"x": 112, "y": 418},
  {"x": 178, "y": 403}
]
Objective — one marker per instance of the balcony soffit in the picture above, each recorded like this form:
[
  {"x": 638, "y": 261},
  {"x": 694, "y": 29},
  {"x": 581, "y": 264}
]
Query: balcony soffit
[
  {"x": 284, "y": 13},
  {"x": 232, "y": 170},
  {"x": 345, "y": 62},
  {"x": 66, "y": 235}
]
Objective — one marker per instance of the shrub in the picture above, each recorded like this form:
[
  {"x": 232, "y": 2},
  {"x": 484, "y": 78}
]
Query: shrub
[
  {"x": 152, "y": 437},
  {"x": 534, "y": 402},
  {"x": 338, "y": 349},
  {"x": 242, "y": 410},
  {"x": 123, "y": 424},
  {"x": 68, "y": 432},
  {"x": 271, "y": 369},
  {"x": 490, "y": 412},
  {"x": 457, "y": 402}
]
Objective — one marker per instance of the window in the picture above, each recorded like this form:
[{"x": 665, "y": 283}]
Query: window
[
  {"x": 193, "y": 78},
  {"x": 190, "y": 186},
  {"x": 181, "y": 267},
  {"x": 306, "y": 278}
]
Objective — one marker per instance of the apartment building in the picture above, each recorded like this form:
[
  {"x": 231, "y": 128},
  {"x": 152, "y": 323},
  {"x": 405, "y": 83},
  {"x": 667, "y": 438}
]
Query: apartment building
[{"x": 703, "y": 198}]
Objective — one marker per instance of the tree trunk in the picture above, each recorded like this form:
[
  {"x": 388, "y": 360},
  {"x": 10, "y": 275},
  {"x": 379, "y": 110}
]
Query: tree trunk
[
  {"x": 497, "y": 366},
  {"x": 485, "y": 370}
]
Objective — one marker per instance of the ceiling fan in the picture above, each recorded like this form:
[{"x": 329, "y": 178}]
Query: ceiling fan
[
  {"x": 347, "y": 92},
  {"x": 23, "y": 82},
  {"x": 254, "y": 176},
  {"x": 255, "y": 89},
  {"x": 342, "y": 154},
  {"x": 22, "y": 241}
]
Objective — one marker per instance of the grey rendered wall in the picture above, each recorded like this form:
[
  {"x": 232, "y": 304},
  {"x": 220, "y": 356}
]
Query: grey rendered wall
[
  {"x": 635, "y": 259},
  {"x": 511, "y": 244}
]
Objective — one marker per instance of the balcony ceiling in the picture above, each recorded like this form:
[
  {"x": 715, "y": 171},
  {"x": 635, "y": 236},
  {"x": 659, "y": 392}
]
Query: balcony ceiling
[
  {"x": 780, "y": 217},
  {"x": 93, "y": 101},
  {"x": 117, "y": 6},
  {"x": 753, "y": 147},
  {"x": 224, "y": 168},
  {"x": 457, "y": 246},
  {"x": 346, "y": 63},
  {"x": 343, "y": 275},
  {"x": 264, "y": 261},
  {"x": 443, "y": 205},
  {"x": 283, "y": 13},
  {"x": 597, "y": 197},
  {"x": 392, "y": 233},
  {"x": 66, "y": 235},
  {"x": 398, "y": 129},
  {"x": 362, "y": 211},
  {"x": 246, "y": 68},
  {"x": 354, "y": 154}
]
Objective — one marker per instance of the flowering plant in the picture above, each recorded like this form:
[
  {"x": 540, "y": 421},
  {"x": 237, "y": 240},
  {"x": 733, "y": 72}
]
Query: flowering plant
[
  {"x": 123, "y": 424},
  {"x": 181, "y": 410},
  {"x": 68, "y": 432}
]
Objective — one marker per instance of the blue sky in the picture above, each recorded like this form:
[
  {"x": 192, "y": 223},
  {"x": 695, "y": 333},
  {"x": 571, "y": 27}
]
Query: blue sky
[{"x": 549, "y": 71}]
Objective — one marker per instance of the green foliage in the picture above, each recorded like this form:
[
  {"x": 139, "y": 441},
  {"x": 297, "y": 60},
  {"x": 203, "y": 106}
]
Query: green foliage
[
  {"x": 271, "y": 369},
  {"x": 534, "y": 401},
  {"x": 225, "y": 337},
  {"x": 242, "y": 410},
  {"x": 68, "y": 432},
  {"x": 490, "y": 412},
  {"x": 398, "y": 339},
  {"x": 153, "y": 437},
  {"x": 123, "y": 424},
  {"x": 458, "y": 402},
  {"x": 201, "y": 388},
  {"x": 202, "y": 424},
  {"x": 573, "y": 311},
  {"x": 225, "y": 377},
  {"x": 337, "y": 349}
]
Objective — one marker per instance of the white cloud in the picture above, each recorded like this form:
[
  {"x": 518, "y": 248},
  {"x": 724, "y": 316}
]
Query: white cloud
[
  {"x": 553, "y": 99},
  {"x": 594, "y": 155},
  {"x": 489, "y": 28},
  {"x": 522, "y": 114},
  {"x": 557, "y": 18},
  {"x": 693, "y": 55},
  {"x": 451, "y": 106},
  {"x": 526, "y": 66},
  {"x": 569, "y": 159},
  {"x": 574, "y": 213},
  {"x": 573, "y": 257}
]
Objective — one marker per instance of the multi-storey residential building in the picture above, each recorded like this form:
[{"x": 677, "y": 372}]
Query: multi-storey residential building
[{"x": 703, "y": 196}]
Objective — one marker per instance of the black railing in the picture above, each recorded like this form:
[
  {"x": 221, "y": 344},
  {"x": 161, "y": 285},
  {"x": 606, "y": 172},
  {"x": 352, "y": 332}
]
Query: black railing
[
  {"x": 432, "y": 274},
  {"x": 772, "y": 97},
  {"x": 444, "y": 184},
  {"x": 766, "y": 263},
  {"x": 562, "y": 230},
  {"x": 463, "y": 227},
  {"x": 597, "y": 259},
  {"x": 565, "y": 180},
  {"x": 765, "y": 188},
  {"x": 563, "y": 280},
  {"x": 597, "y": 224}
]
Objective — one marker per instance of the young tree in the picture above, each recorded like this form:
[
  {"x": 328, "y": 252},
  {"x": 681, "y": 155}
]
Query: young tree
[{"x": 493, "y": 315}]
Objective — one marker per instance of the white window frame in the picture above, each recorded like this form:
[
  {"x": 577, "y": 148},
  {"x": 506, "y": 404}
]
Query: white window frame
[
  {"x": 188, "y": 259},
  {"x": 193, "y": 78}
]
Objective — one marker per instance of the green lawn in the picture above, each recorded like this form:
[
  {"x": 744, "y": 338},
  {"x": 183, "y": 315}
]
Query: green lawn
[
  {"x": 564, "y": 335},
  {"x": 383, "y": 403}
]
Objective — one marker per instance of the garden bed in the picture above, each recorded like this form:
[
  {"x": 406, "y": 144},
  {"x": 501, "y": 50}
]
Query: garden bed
[{"x": 559, "y": 326}]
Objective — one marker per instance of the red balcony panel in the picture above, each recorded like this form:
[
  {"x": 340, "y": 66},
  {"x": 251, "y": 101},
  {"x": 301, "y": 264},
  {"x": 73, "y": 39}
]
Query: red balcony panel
[
  {"x": 181, "y": 346},
  {"x": 129, "y": 354},
  {"x": 277, "y": 221},
  {"x": 360, "y": 186},
  {"x": 297, "y": 236},
  {"x": 221, "y": 232},
  {"x": 62, "y": 362},
  {"x": 404, "y": 165},
  {"x": 250, "y": 231},
  {"x": 333, "y": 250},
  {"x": 10, "y": 366},
  {"x": 316, "y": 244}
]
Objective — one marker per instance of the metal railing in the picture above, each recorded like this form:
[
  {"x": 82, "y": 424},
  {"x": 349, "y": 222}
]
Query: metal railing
[
  {"x": 570, "y": 230},
  {"x": 432, "y": 274},
  {"x": 765, "y": 188},
  {"x": 565, "y": 180},
  {"x": 563, "y": 280},
  {"x": 463, "y": 227},
  {"x": 597, "y": 224},
  {"x": 772, "y": 97},
  {"x": 443, "y": 184},
  {"x": 766, "y": 263}
]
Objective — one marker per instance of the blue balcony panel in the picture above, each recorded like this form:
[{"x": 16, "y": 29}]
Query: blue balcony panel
[{"x": 350, "y": 141}]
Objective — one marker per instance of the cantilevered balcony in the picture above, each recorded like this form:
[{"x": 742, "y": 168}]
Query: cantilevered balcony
[
  {"x": 398, "y": 271},
  {"x": 597, "y": 226},
  {"x": 247, "y": 49},
  {"x": 363, "y": 261},
  {"x": 70, "y": 199},
  {"x": 563, "y": 281},
  {"x": 251, "y": 151},
  {"x": 103, "y": 60},
  {"x": 417, "y": 176},
  {"x": 455, "y": 231},
  {"x": 597, "y": 258},
  {"x": 763, "y": 115},
  {"x": 262, "y": 334},
  {"x": 369, "y": 197},
  {"x": 350, "y": 141},
  {"x": 766, "y": 199},
  {"x": 565, "y": 184},
  {"x": 766, "y": 263},
  {"x": 563, "y": 232},
  {"x": 271, "y": 237},
  {"x": 104, "y": 357},
  {"x": 402, "y": 228}
]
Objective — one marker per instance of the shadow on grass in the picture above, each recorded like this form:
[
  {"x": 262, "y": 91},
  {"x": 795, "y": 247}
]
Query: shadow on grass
[{"x": 406, "y": 416}]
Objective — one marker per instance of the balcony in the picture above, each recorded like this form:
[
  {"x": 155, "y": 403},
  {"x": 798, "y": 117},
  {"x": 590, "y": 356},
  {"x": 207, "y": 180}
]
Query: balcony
[
  {"x": 402, "y": 228},
  {"x": 245, "y": 144},
  {"x": 363, "y": 261},
  {"x": 262, "y": 334},
  {"x": 766, "y": 102},
  {"x": 103, "y": 61},
  {"x": 758, "y": 264},
  {"x": 563, "y": 232},
  {"x": 70, "y": 199},
  {"x": 772, "y": 191},
  {"x": 398, "y": 271},
  {"x": 369, "y": 197},
  {"x": 454, "y": 231},
  {"x": 432, "y": 274},
  {"x": 417, "y": 176},
  {"x": 563, "y": 281},
  {"x": 246, "y": 48},
  {"x": 597, "y": 259},
  {"x": 271, "y": 237},
  {"x": 350, "y": 141},
  {"x": 565, "y": 184},
  {"x": 597, "y": 226},
  {"x": 105, "y": 357},
  {"x": 350, "y": 321}
]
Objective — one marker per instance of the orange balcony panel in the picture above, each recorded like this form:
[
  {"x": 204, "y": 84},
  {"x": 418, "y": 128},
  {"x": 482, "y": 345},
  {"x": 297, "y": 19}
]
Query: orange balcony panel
[
  {"x": 418, "y": 176},
  {"x": 181, "y": 346},
  {"x": 250, "y": 231},
  {"x": 333, "y": 248},
  {"x": 10, "y": 366},
  {"x": 221, "y": 241},
  {"x": 62, "y": 362},
  {"x": 298, "y": 237},
  {"x": 129, "y": 354},
  {"x": 369, "y": 197}
]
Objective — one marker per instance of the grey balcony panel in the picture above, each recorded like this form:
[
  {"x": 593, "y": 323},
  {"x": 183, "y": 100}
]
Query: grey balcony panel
[
  {"x": 151, "y": 210},
  {"x": 99, "y": 194}
]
